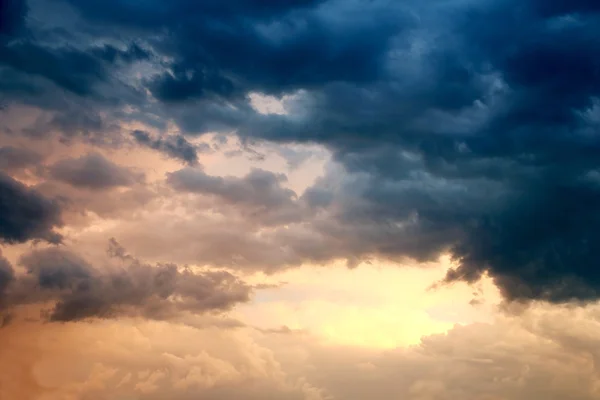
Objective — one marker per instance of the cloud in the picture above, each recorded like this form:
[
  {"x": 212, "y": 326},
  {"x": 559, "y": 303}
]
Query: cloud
[
  {"x": 12, "y": 15},
  {"x": 516, "y": 358},
  {"x": 451, "y": 133},
  {"x": 173, "y": 146},
  {"x": 7, "y": 275},
  {"x": 259, "y": 189},
  {"x": 534, "y": 355},
  {"x": 82, "y": 73},
  {"x": 13, "y": 158},
  {"x": 278, "y": 38},
  {"x": 481, "y": 145},
  {"x": 81, "y": 291},
  {"x": 144, "y": 360},
  {"x": 25, "y": 214},
  {"x": 445, "y": 132},
  {"x": 92, "y": 171}
]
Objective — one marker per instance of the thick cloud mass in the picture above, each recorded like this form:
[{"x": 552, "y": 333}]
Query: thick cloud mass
[
  {"x": 456, "y": 133},
  {"x": 12, "y": 14},
  {"x": 25, "y": 214},
  {"x": 80, "y": 290}
]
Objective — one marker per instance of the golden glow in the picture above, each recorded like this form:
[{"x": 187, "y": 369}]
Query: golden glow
[{"x": 382, "y": 305}]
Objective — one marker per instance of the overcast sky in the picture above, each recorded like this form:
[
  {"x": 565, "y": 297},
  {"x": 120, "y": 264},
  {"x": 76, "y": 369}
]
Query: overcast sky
[{"x": 299, "y": 199}]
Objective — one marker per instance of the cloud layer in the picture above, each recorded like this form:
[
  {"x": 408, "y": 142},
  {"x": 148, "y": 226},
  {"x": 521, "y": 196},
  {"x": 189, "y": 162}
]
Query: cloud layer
[
  {"x": 472, "y": 139},
  {"x": 77, "y": 290},
  {"x": 231, "y": 144}
]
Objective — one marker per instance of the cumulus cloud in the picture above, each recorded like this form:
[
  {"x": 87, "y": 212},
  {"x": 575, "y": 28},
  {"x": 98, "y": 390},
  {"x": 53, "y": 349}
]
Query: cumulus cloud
[
  {"x": 534, "y": 355},
  {"x": 81, "y": 291},
  {"x": 144, "y": 360}
]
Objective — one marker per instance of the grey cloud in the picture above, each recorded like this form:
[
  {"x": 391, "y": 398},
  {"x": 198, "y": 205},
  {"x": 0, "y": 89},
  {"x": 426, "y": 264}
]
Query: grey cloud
[
  {"x": 259, "y": 187},
  {"x": 262, "y": 192},
  {"x": 55, "y": 268},
  {"x": 81, "y": 291},
  {"x": 93, "y": 171},
  {"x": 25, "y": 214},
  {"x": 7, "y": 275},
  {"x": 77, "y": 204},
  {"x": 16, "y": 158},
  {"x": 173, "y": 146}
]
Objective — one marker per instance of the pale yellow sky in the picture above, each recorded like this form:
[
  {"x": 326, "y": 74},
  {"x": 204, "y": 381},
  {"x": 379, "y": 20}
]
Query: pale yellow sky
[{"x": 379, "y": 305}]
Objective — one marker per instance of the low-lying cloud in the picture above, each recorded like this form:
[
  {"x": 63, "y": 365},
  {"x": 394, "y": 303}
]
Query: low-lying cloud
[{"x": 78, "y": 290}]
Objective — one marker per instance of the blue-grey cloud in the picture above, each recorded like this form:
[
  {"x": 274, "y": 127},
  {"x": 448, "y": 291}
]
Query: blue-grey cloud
[
  {"x": 457, "y": 133},
  {"x": 25, "y": 214},
  {"x": 12, "y": 17},
  {"x": 173, "y": 146}
]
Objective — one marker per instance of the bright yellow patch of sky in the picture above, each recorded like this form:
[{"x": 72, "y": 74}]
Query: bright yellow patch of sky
[{"x": 381, "y": 305}]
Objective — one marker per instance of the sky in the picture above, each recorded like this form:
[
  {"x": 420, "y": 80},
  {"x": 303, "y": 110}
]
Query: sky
[{"x": 299, "y": 199}]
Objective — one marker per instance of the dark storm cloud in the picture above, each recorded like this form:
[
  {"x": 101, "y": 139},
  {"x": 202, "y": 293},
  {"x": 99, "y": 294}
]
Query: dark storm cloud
[
  {"x": 93, "y": 171},
  {"x": 151, "y": 16},
  {"x": 490, "y": 150},
  {"x": 551, "y": 8},
  {"x": 77, "y": 77},
  {"x": 173, "y": 146},
  {"x": 82, "y": 291},
  {"x": 25, "y": 214},
  {"x": 269, "y": 46},
  {"x": 12, "y": 16},
  {"x": 463, "y": 126},
  {"x": 70, "y": 69},
  {"x": 71, "y": 66},
  {"x": 113, "y": 54},
  {"x": 183, "y": 85}
]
